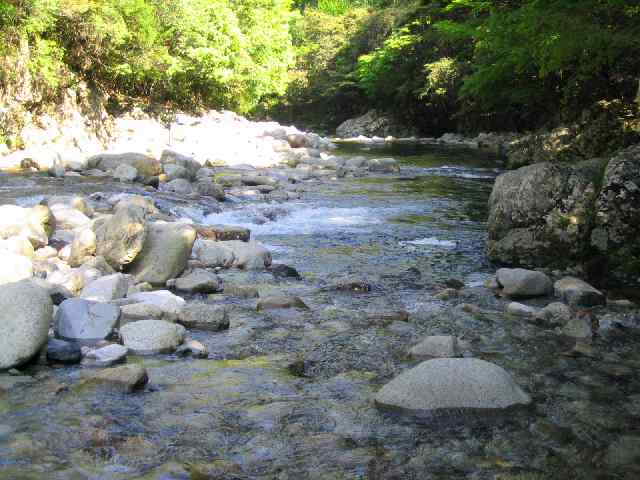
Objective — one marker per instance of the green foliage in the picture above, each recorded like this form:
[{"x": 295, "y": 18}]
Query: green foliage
[{"x": 190, "y": 53}]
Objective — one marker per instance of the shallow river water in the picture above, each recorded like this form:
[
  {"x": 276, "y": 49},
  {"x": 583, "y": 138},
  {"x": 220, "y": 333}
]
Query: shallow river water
[{"x": 288, "y": 394}]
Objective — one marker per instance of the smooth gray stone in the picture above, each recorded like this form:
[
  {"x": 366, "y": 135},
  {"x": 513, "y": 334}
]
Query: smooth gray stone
[
  {"x": 84, "y": 320},
  {"x": 452, "y": 383}
]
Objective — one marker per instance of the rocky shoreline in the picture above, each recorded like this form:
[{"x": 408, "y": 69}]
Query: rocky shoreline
[{"x": 129, "y": 268}]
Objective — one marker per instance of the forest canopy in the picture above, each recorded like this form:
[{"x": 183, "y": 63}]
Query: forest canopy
[{"x": 439, "y": 65}]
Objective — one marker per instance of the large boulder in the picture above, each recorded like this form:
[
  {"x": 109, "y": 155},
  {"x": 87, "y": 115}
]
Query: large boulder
[
  {"x": 84, "y": 320},
  {"x": 120, "y": 237},
  {"x": 617, "y": 219},
  {"x": 519, "y": 282},
  {"x": 145, "y": 165},
  {"x": 25, "y": 315},
  {"x": 537, "y": 211},
  {"x": 452, "y": 383},
  {"x": 561, "y": 215},
  {"x": 147, "y": 337},
  {"x": 372, "y": 124},
  {"x": 165, "y": 253}
]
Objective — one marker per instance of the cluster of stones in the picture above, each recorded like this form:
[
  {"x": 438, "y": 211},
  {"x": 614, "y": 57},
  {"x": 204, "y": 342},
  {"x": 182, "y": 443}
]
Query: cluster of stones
[
  {"x": 93, "y": 279},
  {"x": 444, "y": 381}
]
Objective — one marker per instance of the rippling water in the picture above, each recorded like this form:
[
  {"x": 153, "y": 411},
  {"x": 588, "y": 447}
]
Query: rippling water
[{"x": 288, "y": 394}]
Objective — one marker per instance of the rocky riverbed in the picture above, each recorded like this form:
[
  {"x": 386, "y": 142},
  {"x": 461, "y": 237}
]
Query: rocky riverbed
[{"x": 243, "y": 300}]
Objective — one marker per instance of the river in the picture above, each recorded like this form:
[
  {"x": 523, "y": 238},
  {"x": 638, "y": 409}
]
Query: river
[{"x": 287, "y": 394}]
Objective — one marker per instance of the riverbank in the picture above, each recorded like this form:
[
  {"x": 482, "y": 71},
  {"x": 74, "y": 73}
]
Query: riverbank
[{"x": 261, "y": 310}]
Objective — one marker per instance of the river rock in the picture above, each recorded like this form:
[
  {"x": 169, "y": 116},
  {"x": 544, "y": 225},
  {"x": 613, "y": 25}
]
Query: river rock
[
  {"x": 165, "y": 253},
  {"x": 540, "y": 210},
  {"x": 107, "y": 288},
  {"x": 281, "y": 301},
  {"x": 256, "y": 180},
  {"x": 192, "y": 167},
  {"x": 166, "y": 301},
  {"x": 249, "y": 255},
  {"x": 145, "y": 165},
  {"x": 383, "y": 165},
  {"x": 14, "y": 267},
  {"x": 518, "y": 282},
  {"x": 72, "y": 201},
  {"x": 520, "y": 309},
  {"x": 179, "y": 186},
  {"x": 214, "y": 254},
  {"x": 223, "y": 232},
  {"x": 241, "y": 291},
  {"x": 146, "y": 337},
  {"x": 125, "y": 173},
  {"x": 120, "y": 237},
  {"x": 617, "y": 220},
  {"x": 84, "y": 245},
  {"x": 372, "y": 123},
  {"x": 209, "y": 188},
  {"x": 61, "y": 351},
  {"x": 173, "y": 171},
  {"x": 436, "y": 346},
  {"x": 25, "y": 314},
  {"x": 84, "y": 320},
  {"x": 106, "y": 356},
  {"x": 142, "y": 311},
  {"x": 147, "y": 204},
  {"x": 193, "y": 348},
  {"x": 125, "y": 379},
  {"x": 203, "y": 316},
  {"x": 197, "y": 281},
  {"x": 284, "y": 271},
  {"x": 578, "y": 327},
  {"x": 68, "y": 218},
  {"x": 578, "y": 293},
  {"x": 556, "y": 313},
  {"x": 452, "y": 383},
  {"x": 35, "y": 223}
]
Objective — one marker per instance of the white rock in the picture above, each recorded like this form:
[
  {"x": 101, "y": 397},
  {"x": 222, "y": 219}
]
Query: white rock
[{"x": 163, "y": 299}]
